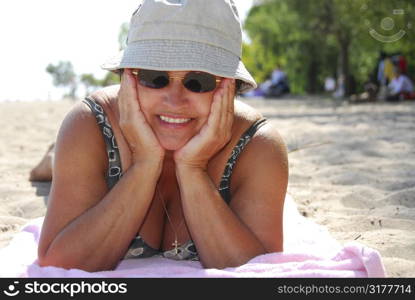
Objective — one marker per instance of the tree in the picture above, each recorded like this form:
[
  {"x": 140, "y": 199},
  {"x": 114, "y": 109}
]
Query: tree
[
  {"x": 89, "y": 82},
  {"x": 63, "y": 76},
  {"x": 110, "y": 78},
  {"x": 319, "y": 38}
]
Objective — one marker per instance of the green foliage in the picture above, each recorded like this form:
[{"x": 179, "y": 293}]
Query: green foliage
[
  {"x": 313, "y": 39},
  {"x": 90, "y": 82},
  {"x": 110, "y": 79},
  {"x": 63, "y": 75}
]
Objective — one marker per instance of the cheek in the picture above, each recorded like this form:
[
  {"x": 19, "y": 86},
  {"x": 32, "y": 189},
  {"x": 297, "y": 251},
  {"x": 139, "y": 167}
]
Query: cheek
[
  {"x": 204, "y": 104},
  {"x": 147, "y": 101}
]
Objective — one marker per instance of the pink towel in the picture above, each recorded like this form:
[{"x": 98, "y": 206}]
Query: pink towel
[{"x": 309, "y": 251}]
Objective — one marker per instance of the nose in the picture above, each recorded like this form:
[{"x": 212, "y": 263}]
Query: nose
[{"x": 175, "y": 93}]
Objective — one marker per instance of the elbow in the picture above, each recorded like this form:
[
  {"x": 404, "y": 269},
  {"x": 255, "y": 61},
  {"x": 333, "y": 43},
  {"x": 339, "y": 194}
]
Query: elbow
[
  {"x": 42, "y": 257},
  {"x": 49, "y": 256},
  {"x": 58, "y": 261},
  {"x": 68, "y": 265},
  {"x": 45, "y": 259}
]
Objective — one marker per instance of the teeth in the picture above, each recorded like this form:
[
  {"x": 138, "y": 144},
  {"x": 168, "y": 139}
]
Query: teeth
[{"x": 175, "y": 121}]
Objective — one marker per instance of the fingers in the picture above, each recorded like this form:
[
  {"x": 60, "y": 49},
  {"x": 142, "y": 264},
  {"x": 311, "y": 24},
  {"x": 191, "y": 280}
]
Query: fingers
[
  {"x": 221, "y": 116},
  {"x": 128, "y": 95},
  {"x": 216, "y": 110},
  {"x": 228, "y": 108},
  {"x": 231, "y": 96},
  {"x": 229, "y": 113},
  {"x": 230, "y": 101}
]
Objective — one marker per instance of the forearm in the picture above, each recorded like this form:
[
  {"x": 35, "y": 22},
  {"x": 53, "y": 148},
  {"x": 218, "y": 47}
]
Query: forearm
[
  {"x": 97, "y": 239},
  {"x": 221, "y": 239}
]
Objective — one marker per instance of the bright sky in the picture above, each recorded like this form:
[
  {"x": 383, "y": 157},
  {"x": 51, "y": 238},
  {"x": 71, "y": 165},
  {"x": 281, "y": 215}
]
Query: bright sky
[{"x": 36, "y": 33}]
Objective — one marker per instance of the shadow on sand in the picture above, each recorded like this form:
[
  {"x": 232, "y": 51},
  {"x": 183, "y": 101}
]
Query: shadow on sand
[{"x": 42, "y": 189}]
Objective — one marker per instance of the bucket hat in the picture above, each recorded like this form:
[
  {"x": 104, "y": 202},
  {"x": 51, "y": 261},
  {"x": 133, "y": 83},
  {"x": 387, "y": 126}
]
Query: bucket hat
[{"x": 180, "y": 35}]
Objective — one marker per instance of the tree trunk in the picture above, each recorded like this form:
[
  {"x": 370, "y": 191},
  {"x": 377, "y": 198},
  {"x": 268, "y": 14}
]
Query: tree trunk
[
  {"x": 312, "y": 86},
  {"x": 312, "y": 71},
  {"x": 344, "y": 65}
]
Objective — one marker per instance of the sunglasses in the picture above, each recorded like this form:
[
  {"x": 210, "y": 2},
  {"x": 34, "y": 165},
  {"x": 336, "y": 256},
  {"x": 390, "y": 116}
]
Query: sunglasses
[{"x": 196, "y": 82}]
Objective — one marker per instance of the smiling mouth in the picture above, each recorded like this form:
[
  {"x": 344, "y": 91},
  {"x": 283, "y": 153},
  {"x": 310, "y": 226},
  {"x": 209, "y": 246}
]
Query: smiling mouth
[{"x": 175, "y": 120}]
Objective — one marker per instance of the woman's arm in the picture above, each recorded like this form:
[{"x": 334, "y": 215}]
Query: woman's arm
[
  {"x": 227, "y": 236},
  {"x": 87, "y": 226}
]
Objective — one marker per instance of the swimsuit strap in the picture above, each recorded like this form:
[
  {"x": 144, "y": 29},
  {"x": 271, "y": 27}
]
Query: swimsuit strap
[
  {"x": 114, "y": 158},
  {"x": 224, "y": 186}
]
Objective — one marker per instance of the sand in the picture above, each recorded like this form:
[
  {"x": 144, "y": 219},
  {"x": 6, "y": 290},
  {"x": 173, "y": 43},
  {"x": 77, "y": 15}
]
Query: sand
[{"x": 352, "y": 168}]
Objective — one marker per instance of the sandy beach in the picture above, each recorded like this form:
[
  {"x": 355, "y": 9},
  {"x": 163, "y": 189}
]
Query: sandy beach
[{"x": 352, "y": 168}]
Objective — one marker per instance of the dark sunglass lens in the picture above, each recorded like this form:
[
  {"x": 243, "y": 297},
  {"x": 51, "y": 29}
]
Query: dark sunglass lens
[
  {"x": 153, "y": 79},
  {"x": 193, "y": 85},
  {"x": 200, "y": 82}
]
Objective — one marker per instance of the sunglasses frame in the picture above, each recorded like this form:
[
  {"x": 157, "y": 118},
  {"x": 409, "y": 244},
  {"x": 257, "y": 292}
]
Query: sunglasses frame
[{"x": 181, "y": 78}]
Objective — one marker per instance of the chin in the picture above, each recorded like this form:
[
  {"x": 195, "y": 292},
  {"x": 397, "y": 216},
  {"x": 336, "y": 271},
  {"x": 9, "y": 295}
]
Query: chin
[{"x": 172, "y": 145}]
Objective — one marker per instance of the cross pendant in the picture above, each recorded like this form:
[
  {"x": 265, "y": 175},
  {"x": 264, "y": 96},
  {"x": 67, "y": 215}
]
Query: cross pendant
[{"x": 175, "y": 244}]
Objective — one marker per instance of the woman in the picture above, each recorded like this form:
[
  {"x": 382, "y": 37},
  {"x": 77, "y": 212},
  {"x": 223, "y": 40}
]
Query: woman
[{"x": 158, "y": 175}]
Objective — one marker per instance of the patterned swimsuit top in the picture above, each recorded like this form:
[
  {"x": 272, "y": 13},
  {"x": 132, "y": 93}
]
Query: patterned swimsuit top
[{"x": 138, "y": 247}]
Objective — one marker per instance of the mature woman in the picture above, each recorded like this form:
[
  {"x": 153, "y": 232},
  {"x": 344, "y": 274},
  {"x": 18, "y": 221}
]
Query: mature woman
[{"x": 167, "y": 163}]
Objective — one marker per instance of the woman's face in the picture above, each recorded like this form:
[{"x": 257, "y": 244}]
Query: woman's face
[{"x": 175, "y": 113}]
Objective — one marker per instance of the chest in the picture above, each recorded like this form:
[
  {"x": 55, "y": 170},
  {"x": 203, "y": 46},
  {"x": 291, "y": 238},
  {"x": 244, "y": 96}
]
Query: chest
[{"x": 165, "y": 224}]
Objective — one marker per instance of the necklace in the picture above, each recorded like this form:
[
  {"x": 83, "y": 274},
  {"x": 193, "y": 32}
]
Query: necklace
[{"x": 176, "y": 243}]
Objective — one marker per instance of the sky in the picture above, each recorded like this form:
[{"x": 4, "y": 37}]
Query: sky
[{"x": 36, "y": 33}]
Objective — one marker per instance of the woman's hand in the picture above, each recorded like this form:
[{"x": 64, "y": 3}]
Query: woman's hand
[
  {"x": 142, "y": 141},
  {"x": 216, "y": 132}
]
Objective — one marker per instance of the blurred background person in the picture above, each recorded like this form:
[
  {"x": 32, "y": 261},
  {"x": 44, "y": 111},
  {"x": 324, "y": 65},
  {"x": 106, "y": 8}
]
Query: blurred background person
[{"x": 400, "y": 88}]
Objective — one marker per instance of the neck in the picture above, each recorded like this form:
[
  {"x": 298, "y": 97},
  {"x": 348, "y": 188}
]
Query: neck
[
  {"x": 168, "y": 174},
  {"x": 169, "y": 157}
]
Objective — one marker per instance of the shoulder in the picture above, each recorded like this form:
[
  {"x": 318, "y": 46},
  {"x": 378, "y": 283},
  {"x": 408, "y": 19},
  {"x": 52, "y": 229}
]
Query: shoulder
[
  {"x": 76, "y": 120},
  {"x": 107, "y": 95},
  {"x": 79, "y": 120},
  {"x": 264, "y": 156},
  {"x": 266, "y": 140},
  {"x": 79, "y": 139},
  {"x": 265, "y": 153},
  {"x": 82, "y": 121},
  {"x": 267, "y": 136}
]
